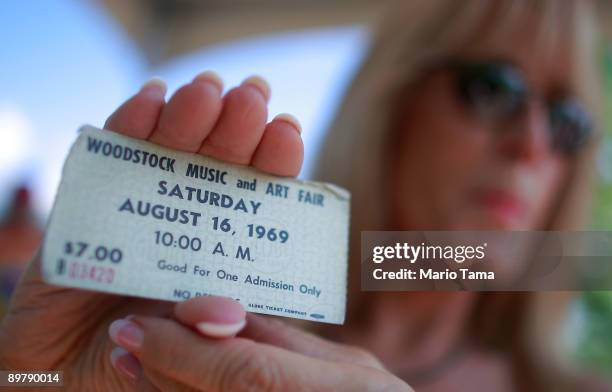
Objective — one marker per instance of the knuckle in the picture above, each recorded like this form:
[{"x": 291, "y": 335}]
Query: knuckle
[{"x": 249, "y": 369}]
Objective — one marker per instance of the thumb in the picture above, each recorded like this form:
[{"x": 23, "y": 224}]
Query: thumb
[
  {"x": 219, "y": 317},
  {"x": 277, "y": 333}
]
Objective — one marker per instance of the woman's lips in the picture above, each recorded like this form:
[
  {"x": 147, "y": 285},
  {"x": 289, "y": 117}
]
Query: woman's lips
[{"x": 504, "y": 205}]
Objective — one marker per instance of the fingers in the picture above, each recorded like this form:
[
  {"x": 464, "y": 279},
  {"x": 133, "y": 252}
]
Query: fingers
[
  {"x": 138, "y": 116},
  {"x": 198, "y": 119},
  {"x": 241, "y": 123},
  {"x": 281, "y": 150},
  {"x": 167, "y": 347},
  {"x": 237, "y": 364},
  {"x": 191, "y": 113},
  {"x": 215, "y": 317}
]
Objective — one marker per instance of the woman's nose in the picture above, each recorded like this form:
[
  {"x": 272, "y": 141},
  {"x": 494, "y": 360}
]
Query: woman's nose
[{"x": 528, "y": 139}]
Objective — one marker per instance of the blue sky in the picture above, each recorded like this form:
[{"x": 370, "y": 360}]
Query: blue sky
[{"x": 65, "y": 63}]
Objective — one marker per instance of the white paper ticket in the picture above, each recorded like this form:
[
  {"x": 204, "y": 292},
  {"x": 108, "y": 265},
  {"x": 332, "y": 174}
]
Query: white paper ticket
[{"x": 131, "y": 217}]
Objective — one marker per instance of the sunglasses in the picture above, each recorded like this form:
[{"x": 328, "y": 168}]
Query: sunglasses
[{"x": 499, "y": 91}]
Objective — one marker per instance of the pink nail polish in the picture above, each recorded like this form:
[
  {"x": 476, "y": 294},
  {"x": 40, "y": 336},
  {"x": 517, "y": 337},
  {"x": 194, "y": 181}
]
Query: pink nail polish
[
  {"x": 288, "y": 118},
  {"x": 260, "y": 84},
  {"x": 125, "y": 363},
  {"x": 219, "y": 330},
  {"x": 126, "y": 334},
  {"x": 154, "y": 87},
  {"x": 210, "y": 77}
]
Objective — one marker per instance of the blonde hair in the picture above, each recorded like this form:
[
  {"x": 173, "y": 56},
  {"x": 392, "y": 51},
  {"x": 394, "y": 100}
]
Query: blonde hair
[
  {"x": 419, "y": 34},
  {"x": 416, "y": 35}
]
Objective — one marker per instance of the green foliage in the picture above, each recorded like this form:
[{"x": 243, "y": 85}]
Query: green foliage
[
  {"x": 595, "y": 350},
  {"x": 602, "y": 219}
]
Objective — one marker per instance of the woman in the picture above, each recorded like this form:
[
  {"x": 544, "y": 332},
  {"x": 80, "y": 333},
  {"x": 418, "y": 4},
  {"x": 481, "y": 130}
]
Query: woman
[
  {"x": 465, "y": 115},
  {"x": 453, "y": 107}
]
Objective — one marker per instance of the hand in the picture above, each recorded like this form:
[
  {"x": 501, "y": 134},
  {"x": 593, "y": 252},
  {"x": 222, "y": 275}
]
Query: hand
[
  {"x": 170, "y": 355},
  {"x": 56, "y": 328}
]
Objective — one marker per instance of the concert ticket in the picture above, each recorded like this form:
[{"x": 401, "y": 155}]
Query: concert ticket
[{"x": 134, "y": 218}]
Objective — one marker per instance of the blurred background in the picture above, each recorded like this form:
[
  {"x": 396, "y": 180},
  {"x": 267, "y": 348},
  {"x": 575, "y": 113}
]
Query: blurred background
[{"x": 68, "y": 62}]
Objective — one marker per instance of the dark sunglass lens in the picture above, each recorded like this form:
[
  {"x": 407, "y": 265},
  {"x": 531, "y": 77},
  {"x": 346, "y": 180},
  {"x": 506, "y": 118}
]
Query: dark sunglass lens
[
  {"x": 570, "y": 125},
  {"x": 494, "y": 90}
]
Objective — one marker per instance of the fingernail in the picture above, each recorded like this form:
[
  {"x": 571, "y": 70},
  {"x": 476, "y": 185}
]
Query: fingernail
[
  {"x": 154, "y": 87},
  {"x": 126, "y": 334},
  {"x": 125, "y": 363},
  {"x": 260, "y": 84},
  {"x": 217, "y": 330},
  {"x": 210, "y": 77},
  {"x": 290, "y": 119}
]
